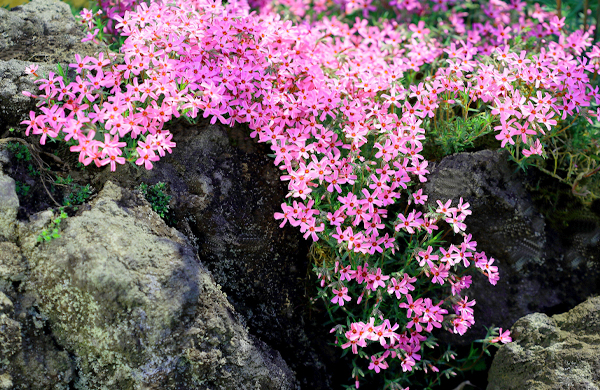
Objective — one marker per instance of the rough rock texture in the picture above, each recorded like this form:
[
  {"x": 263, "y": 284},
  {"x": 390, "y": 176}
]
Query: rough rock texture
[
  {"x": 540, "y": 269},
  {"x": 43, "y": 32},
  {"x": 551, "y": 353},
  {"x": 10, "y": 330},
  {"x": 228, "y": 190},
  {"x": 225, "y": 192},
  {"x": 121, "y": 301},
  {"x": 13, "y": 266},
  {"x": 9, "y": 206}
]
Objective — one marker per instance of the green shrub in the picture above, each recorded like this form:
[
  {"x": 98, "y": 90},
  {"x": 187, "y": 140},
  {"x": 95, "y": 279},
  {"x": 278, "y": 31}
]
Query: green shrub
[{"x": 158, "y": 199}]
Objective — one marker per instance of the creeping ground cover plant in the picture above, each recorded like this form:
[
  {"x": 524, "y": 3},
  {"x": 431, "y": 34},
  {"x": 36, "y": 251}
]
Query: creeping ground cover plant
[{"x": 349, "y": 104}]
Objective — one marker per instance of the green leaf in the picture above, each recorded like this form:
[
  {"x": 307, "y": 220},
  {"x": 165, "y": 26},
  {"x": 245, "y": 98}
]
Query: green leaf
[
  {"x": 479, "y": 366},
  {"x": 60, "y": 70}
]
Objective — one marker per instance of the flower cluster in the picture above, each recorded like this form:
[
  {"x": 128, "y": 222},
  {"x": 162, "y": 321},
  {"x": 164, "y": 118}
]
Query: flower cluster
[{"x": 346, "y": 109}]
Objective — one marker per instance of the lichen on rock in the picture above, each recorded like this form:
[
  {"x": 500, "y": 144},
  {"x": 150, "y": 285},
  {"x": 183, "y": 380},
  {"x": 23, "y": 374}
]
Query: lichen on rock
[
  {"x": 121, "y": 292},
  {"x": 551, "y": 353}
]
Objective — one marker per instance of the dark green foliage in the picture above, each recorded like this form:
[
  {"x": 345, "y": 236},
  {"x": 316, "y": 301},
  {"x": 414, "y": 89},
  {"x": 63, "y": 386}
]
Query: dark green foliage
[
  {"x": 19, "y": 151},
  {"x": 158, "y": 199},
  {"x": 78, "y": 195},
  {"x": 22, "y": 189},
  {"x": 22, "y": 154}
]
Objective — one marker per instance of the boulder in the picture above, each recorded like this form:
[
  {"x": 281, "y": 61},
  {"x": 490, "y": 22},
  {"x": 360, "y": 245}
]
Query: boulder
[
  {"x": 543, "y": 268},
  {"x": 128, "y": 305},
  {"x": 225, "y": 191},
  {"x": 551, "y": 353},
  {"x": 42, "y": 32},
  {"x": 9, "y": 206}
]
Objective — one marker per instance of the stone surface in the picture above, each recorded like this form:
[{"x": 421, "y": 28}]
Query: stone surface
[
  {"x": 551, "y": 353},
  {"x": 42, "y": 32},
  {"x": 128, "y": 305},
  {"x": 541, "y": 269},
  {"x": 10, "y": 330},
  {"x": 225, "y": 191},
  {"x": 9, "y": 206}
]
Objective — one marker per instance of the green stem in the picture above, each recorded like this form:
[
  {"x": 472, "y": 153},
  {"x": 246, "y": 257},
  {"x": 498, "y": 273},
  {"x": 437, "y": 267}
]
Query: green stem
[{"x": 586, "y": 6}]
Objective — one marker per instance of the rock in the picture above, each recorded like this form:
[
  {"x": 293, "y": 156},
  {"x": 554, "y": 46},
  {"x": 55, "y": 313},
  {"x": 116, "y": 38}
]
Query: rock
[
  {"x": 130, "y": 306},
  {"x": 5, "y": 382},
  {"x": 551, "y": 353},
  {"x": 9, "y": 206},
  {"x": 13, "y": 266},
  {"x": 38, "y": 363},
  {"x": 541, "y": 269},
  {"x": 225, "y": 191},
  {"x": 42, "y": 32},
  {"x": 10, "y": 336},
  {"x": 4, "y": 158},
  {"x": 6, "y": 304}
]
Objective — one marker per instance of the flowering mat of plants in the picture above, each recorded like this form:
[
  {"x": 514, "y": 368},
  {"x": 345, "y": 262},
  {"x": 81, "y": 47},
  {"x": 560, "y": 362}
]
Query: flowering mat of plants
[{"x": 353, "y": 97}]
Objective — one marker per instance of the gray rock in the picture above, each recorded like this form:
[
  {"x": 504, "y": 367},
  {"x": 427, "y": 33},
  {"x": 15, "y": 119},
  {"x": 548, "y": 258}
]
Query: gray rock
[
  {"x": 4, "y": 158},
  {"x": 225, "y": 191},
  {"x": 130, "y": 306},
  {"x": 9, "y": 207},
  {"x": 551, "y": 353},
  {"x": 6, "y": 304},
  {"x": 13, "y": 266},
  {"x": 540, "y": 270},
  {"x": 10, "y": 336},
  {"x": 6, "y": 382},
  {"x": 42, "y": 32}
]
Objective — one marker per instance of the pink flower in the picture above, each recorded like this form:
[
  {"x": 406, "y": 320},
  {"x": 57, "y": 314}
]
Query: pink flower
[
  {"x": 113, "y": 160},
  {"x": 412, "y": 306},
  {"x": 378, "y": 363},
  {"x": 536, "y": 148},
  {"x": 286, "y": 215},
  {"x": 146, "y": 157},
  {"x": 32, "y": 123},
  {"x": 440, "y": 273},
  {"x": 545, "y": 117},
  {"x": 407, "y": 363},
  {"x": 419, "y": 197},
  {"x": 31, "y": 69},
  {"x": 523, "y": 131},
  {"x": 346, "y": 274},
  {"x": 503, "y": 338},
  {"x": 80, "y": 64},
  {"x": 427, "y": 257},
  {"x": 445, "y": 208},
  {"x": 394, "y": 287},
  {"x": 312, "y": 230},
  {"x": 378, "y": 279},
  {"x": 46, "y": 131},
  {"x": 340, "y": 296}
]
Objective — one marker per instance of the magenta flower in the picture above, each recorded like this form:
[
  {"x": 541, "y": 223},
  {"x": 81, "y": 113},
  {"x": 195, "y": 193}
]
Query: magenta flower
[
  {"x": 146, "y": 156},
  {"x": 503, "y": 338},
  {"x": 378, "y": 363},
  {"x": 340, "y": 296}
]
